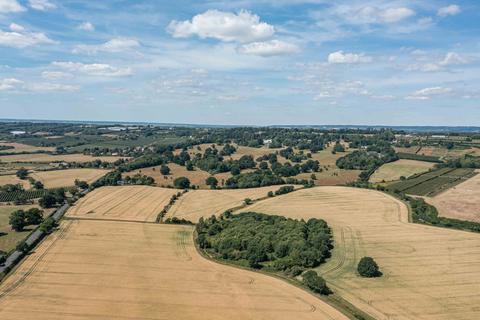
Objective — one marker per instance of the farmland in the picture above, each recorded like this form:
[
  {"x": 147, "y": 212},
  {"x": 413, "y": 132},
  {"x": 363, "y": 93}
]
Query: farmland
[
  {"x": 461, "y": 201},
  {"x": 433, "y": 182},
  {"x": 66, "y": 178},
  {"x": 8, "y": 237},
  {"x": 139, "y": 203},
  {"x": 196, "y": 177},
  {"x": 429, "y": 273},
  {"x": 394, "y": 170},
  {"x": 20, "y": 147},
  {"x": 143, "y": 271},
  {"x": 203, "y": 203},
  {"x": 47, "y": 158},
  {"x": 13, "y": 179}
]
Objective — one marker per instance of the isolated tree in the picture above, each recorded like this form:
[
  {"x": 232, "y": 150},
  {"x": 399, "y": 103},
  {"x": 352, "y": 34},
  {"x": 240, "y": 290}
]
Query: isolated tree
[
  {"x": 17, "y": 220},
  {"x": 338, "y": 147},
  {"x": 81, "y": 184},
  {"x": 38, "y": 185},
  {"x": 263, "y": 165},
  {"x": 189, "y": 166},
  {"x": 3, "y": 259},
  {"x": 165, "y": 170},
  {"x": 22, "y": 173},
  {"x": 367, "y": 267},
  {"x": 181, "y": 183},
  {"x": 212, "y": 182}
]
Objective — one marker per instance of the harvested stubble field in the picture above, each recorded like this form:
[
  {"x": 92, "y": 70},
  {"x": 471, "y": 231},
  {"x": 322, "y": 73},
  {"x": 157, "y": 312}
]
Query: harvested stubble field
[
  {"x": 20, "y": 147},
  {"x": 394, "y": 170},
  {"x": 196, "y": 177},
  {"x": 203, "y": 203},
  {"x": 126, "y": 270},
  {"x": 129, "y": 203},
  {"x": 429, "y": 273},
  {"x": 460, "y": 202},
  {"x": 56, "y": 178},
  {"x": 47, "y": 158}
]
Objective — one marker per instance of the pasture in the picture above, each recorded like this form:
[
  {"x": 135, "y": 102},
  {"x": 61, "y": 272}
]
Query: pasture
[
  {"x": 429, "y": 273},
  {"x": 461, "y": 201},
  {"x": 394, "y": 170},
  {"x": 126, "y": 270},
  {"x": 203, "y": 203},
  {"x": 47, "y": 158},
  {"x": 139, "y": 203},
  {"x": 20, "y": 147}
]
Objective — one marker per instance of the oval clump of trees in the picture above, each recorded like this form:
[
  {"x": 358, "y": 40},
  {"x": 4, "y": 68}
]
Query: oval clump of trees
[{"x": 368, "y": 268}]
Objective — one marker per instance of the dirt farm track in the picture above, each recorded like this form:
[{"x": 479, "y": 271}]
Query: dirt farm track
[{"x": 103, "y": 269}]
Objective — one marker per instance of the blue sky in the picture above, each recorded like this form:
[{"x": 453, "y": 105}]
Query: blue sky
[{"x": 242, "y": 62}]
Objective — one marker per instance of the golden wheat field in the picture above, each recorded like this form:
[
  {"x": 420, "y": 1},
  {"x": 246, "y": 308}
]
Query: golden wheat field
[
  {"x": 204, "y": 203},
  {"x": 461, "y": 201},
  {"x": 13, "y": 179},
  {"x": 429, "y": 273},
  {"x": 47, "y": 158},
  {"x": 20, "y": 147},
  {"x": 394, "y": 170},
  {"x": 126, "y": 270},
  {"x": 66, "y": 178},
  {"x": 139, "y": 203}
]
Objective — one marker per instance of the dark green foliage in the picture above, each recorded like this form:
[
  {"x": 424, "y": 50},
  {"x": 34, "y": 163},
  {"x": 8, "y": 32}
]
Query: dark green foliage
[
  {"x": 48, "y": 225},
  {"x": 266, "y": 241},
  {"x": 467, "y": 161},
  {"x": 315, "y": 283},
  {"x": 52, "y": 198},
  {"x": 22, "y": 173},
  {"x": 175, "y": 220},
  {"x": 11, "y": 188},
  {"x": 164, "y": 169},
  {"x": 139, "y": 179},
  {"x": 20, "y": 219},
  {"x": 81, "y": 184},
  {"x": 110, "y": 179},
  {"x": 212, "y": 182},
  {"x": 3, "y": 258},
  {"x": 338, "y": 147},
  {"x": 284, "y": 190},
  {"x": 38, "y": 185},
  {"x": 368, "y": 268},
  {"x": 253, "y": 180},
  {"x": 228, "y": 150},
  {"x": 181, "y": 183}
]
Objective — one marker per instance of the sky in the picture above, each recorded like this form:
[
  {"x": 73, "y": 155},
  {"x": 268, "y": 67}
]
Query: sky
[{"x": 246, "y": 62}]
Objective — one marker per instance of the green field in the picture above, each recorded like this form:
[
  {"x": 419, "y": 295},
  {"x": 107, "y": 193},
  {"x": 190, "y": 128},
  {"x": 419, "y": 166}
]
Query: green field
[
  {"x": 8, "y": 237},
  {"x": 432, "y": 183}
]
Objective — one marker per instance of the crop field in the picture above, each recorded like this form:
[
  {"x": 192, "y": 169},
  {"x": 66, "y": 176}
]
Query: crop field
[
  {"x": 20, "y": 147},
  {"x": 8, "y": 237},
  {"x": 196, "y": 177},
  {"x": 461, "y": 201},
  {"x": 203, "y": 203},
  {"x": 127, "y": 270},
  {"x": 394, "y": 170},
  {"x": 47, "y": 158},
  {"x": 429, "y": 273},
  {"x": 66, "y": 178},
  {"x": 13, "y": 179},
  {"x": 433, "y": 182},
  {"x": 332, "y": 176},
  {"x": 139, "y": 203}
]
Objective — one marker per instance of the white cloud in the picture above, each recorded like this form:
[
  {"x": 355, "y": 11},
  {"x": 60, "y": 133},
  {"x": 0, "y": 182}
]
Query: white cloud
[
  {"x": 42, "y": 5},
  {"x": 55, "y": 75},
  {"x": 7, "y": 6},
  {"x": 51, "y": 87},
  {"x": 269, "y": 48},
  {"x": 95, "y": 69},
  {"x": 370, "y": 14},
  {"x": 86, "y": 26},
  {"x": 341, "y": 57},
  {"x": 453, "y": 58},
  {"x": 450, "y": 10},
  {"x": 114, "y": 45},
  {"x": 225, "y": 26},
  {"x": 9, "y": 84},
  {"x": 20, "y": 38},
  {"x": 427, "y": 93}
]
